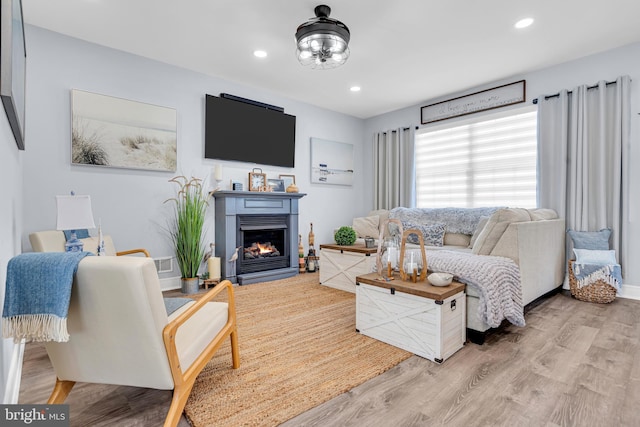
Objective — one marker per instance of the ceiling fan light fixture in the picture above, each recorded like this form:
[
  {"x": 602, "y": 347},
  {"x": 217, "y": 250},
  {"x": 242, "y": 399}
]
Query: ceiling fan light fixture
[{"x": 322, "y": 42}]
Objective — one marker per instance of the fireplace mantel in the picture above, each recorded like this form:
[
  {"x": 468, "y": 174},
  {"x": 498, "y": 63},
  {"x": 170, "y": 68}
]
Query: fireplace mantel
[{"x": 231, "y": 204}]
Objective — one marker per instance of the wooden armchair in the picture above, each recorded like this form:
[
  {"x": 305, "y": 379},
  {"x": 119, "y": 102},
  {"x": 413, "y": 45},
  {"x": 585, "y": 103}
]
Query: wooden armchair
[
  {"x": 121, "y": 334},
  {"x": 54, "y": 240}
]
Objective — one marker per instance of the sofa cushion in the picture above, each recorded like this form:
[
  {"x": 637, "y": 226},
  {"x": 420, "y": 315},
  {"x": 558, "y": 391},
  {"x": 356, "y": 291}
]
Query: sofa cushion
[
  {"x": 479, "y": 228},
  {"x": 383, "y": 216},
  {"x": 542, "y": 214},
  {"x": 495, "y": 227},
  {"x": 367, "y": 226},
  {"x": 594, "y": 240},
  {"x": 433, "y": 234},
  {"x": 456, "y": 239}
]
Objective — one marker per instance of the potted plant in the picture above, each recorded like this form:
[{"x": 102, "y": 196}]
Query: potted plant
[
  {"x": 186, "y": 229},
  {"x": 345, "y": 236}
]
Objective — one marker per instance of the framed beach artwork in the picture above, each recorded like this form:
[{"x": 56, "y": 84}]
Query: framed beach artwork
[
  {"x": 115, "y": 132},
  {"x": 331, "y": 162}
]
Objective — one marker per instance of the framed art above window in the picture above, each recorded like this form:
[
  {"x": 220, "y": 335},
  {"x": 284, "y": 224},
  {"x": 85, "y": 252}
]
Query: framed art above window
[
  {"x": 501, "y": 96},
  {"x": 13, "y": 64}
]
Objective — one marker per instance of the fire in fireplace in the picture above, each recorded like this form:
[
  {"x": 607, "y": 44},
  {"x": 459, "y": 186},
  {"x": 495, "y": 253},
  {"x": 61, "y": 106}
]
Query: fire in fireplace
[
  {"x": 260, "y": 250},
  {"x": 264, "y": 242}
]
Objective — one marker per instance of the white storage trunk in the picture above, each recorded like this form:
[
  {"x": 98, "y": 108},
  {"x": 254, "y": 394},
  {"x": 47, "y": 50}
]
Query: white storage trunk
[
  {"x": 342, "y": 264},
  {"x": 430, "y": 328}
]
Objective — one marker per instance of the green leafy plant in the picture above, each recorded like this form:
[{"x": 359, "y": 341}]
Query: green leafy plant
[
  {"x": 345, "y": 236},
  {"x": 187, "y": 224}
]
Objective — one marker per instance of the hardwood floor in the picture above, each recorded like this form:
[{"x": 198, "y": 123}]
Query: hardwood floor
[{"x": 574, "y": 364}]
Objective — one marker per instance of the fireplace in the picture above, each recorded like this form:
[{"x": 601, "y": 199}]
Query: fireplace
[
  {"x": 264, "y": 243},
  {"x": 262, "y": 228}
]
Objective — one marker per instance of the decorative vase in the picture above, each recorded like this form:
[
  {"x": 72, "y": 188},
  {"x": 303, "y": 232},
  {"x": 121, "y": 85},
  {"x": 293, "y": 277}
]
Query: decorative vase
[
  {"x": 190, "y": 286},
  {"x": 292, "y": 188}
]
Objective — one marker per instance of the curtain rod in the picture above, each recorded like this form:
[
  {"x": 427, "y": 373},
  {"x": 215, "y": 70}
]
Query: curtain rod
[
  {"x": 407, "y": 128},
  {"x": 535, "y": 100}
]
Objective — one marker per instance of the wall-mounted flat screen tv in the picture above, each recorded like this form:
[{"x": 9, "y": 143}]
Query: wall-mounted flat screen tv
[{"x": 245, "y": 132}]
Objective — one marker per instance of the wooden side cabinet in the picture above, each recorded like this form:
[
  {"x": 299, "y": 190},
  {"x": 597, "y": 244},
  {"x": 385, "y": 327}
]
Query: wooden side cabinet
[{"x": 342, "y": 264}]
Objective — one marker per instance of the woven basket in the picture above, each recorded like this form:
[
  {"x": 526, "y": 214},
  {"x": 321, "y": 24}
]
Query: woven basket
[{"x": 599, "y": 291}]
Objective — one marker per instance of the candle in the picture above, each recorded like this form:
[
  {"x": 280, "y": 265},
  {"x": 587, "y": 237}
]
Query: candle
[
  {"x": 392, "y": 257},
  {"x": 217, "y": 174},
  {"x": 213, "y": 264}
]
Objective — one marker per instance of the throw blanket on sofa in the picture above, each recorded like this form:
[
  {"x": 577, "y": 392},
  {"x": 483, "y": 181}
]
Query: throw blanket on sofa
[
  {"x": 587, "y": 274},
  {"x": 496, "y": 279},
  {"x": 37, "y": 295}
]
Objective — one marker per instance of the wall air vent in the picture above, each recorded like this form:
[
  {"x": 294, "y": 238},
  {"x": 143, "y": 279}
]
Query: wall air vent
[{"x": 164, "y": 265}]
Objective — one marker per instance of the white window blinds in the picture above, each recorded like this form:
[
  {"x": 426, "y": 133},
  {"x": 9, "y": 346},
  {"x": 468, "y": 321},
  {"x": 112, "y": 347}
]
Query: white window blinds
[{"x": 490, "y": 162}]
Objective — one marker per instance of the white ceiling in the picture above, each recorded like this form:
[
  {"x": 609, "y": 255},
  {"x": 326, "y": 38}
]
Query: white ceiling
[{"x": 403, "y": 52}]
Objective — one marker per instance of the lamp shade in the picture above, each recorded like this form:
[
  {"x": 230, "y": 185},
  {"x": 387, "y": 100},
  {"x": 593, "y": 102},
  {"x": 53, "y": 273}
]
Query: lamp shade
[
  {"x": 74, "y": 213},
  {"x": 322, "y": 42}
]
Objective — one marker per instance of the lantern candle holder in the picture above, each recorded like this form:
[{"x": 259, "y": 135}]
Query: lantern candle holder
[
  {"x": 413, "y": 270},
  {"x": 388, "y": 253}
]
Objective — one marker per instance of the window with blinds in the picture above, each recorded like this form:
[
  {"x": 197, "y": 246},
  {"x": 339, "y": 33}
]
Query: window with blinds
[{"x": 488, "y": 162}]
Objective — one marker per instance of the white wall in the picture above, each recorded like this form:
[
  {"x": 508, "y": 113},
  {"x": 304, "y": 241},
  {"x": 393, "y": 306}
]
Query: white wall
[
  {"x": 605, "y": 66},
  {"x": 130, "y": 202},
  {"x": 10, "y": 229}
]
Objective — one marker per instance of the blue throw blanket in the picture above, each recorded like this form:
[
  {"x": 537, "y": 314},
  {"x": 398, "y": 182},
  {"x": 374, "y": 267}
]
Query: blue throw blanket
[
  {"x": 587, "y": 274},
  {"x": 37, "y": 295}
]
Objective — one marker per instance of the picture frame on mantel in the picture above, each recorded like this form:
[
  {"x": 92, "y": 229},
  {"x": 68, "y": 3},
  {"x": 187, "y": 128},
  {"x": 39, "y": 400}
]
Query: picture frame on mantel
[
  {"x": 288, "y": 180},
  {"x": 13, "y": 65},
  {"x": 276, "y": 185},
  {"x": 500, "y": 96}
]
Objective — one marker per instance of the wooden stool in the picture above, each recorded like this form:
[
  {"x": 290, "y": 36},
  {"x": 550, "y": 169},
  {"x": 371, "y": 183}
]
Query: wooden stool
[{"x": 212, "y": 282}]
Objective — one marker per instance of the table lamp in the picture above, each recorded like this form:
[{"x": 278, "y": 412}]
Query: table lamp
[{"x": 74, "y": 213}]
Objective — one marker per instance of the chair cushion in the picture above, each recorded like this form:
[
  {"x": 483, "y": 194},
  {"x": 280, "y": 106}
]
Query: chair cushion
[{"x": 195, "y": 334}]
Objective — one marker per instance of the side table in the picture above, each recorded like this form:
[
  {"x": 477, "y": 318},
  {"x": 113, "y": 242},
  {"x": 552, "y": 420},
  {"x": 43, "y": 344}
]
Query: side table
[
  {"x": 342, "y": 264},
  {"x": 427, "y": 320}
]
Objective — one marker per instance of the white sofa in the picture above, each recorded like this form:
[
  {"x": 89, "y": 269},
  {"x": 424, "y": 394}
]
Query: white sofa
[{"x": 534, "y": 239}]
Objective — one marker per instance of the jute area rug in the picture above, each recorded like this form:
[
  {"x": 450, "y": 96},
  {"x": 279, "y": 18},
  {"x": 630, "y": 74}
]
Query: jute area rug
[{"x": 298, "y": 348}]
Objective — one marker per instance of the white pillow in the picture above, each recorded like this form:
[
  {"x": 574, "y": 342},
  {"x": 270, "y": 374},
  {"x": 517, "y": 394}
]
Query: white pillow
[
  {"x": 595, "y": 257},
  {"x": 366, "y": 226}
]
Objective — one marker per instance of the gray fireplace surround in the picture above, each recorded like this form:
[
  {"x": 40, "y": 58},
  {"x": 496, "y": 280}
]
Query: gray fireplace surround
[{"x": 232, "y": 205}]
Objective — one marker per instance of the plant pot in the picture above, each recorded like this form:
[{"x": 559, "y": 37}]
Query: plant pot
[{"x": 190, "y": 286}]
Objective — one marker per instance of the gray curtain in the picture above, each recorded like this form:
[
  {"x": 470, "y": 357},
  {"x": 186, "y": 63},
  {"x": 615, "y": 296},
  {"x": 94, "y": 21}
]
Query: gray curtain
[
  {"x": 583, "y": 155},
  {"x": 394, "y": 169}
]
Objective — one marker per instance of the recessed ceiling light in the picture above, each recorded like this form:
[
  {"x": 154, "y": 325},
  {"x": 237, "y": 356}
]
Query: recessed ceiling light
[
  {"x": 524, "y": 23},
  {"x": 355, "y": 88},
  {"x": 260, "y": 54}
]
